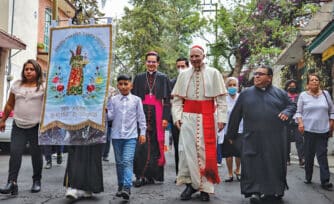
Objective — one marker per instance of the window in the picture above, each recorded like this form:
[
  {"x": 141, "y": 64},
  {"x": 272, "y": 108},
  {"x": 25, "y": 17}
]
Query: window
[{"x": 47, "y": 24}]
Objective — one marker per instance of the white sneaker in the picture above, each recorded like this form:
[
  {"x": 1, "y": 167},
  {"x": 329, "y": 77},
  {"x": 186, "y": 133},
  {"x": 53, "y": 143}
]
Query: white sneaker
[
  {"x": 71, "y": 193},
  {"x": 84, "y": 194},
  {"x": 219, "y": 164}
]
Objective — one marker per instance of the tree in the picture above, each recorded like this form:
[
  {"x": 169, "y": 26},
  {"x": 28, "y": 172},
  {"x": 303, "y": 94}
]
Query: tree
[
  {"x": 84, "y": 10},
  {"x": 257, "y": 31},
  {"x": 166, "y": 26}
]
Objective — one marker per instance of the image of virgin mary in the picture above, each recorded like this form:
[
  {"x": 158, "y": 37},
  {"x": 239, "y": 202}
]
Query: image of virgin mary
[{"x": 76, "y": 78}]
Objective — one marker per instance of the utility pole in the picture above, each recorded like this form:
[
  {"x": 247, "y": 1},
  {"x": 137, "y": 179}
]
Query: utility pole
[
  {"x": 9, "y": 70},
  {"x": 215, "y": 10}
]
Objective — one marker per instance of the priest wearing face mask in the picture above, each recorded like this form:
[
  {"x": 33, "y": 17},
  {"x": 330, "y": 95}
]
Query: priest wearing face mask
[{"x": 293, "y": 134}]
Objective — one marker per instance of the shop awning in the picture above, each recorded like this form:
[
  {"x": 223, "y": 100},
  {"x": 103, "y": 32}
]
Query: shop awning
[
  {"x": 324, "y": 40},
  {"x": 11, "y": 42}
]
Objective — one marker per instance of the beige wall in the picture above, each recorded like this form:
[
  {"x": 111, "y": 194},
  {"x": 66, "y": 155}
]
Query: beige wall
[
  {"x": 3, "y": 62},
  {"x": 277, "y": 75},
  {"x": 4, "y": 7},
  {"x": 25, "y": 28}
]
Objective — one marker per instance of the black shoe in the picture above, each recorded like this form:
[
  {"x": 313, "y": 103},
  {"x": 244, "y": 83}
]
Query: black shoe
[
  {"x": 149, "y": 181},
  {"x": 278, "y": 197},
  {"x": 186, "y": 194},
  {"x": 119, "y": 191},
  {"x": 105, "y": 159},
  {"x": 204, "y": 196},
  {"x": 230, "y": 179},
  {"x": 255, "y": 199},
  {"x": 126, "y": 193},
  {"x": 59, "y": 159},
  {"x": 10, "y": 188},
  {"x": 48, "y": 164},
  {"x": 36, "y": 187},
  {"x": 307, "y": 181},
  {"x": 327, "y": 186},
  {"x": 237, "y": 175},
  {"x": 137, "y": 183}
]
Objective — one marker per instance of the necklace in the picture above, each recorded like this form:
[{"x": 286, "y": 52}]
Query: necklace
[{"x": 148, "y": 83}]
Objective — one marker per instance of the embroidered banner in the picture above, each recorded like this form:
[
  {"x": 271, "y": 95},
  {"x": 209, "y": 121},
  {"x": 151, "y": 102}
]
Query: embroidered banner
[{"x": 77, "y": 86}]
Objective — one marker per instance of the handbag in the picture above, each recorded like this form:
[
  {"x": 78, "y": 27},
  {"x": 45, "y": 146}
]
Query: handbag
[
  {"x": 329, "y": 109},
  {"x": 329, "y": 106}
]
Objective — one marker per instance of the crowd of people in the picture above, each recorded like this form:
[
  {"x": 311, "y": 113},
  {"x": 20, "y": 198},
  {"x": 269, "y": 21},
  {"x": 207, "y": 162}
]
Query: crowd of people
[{"x": 256, "y": 126}]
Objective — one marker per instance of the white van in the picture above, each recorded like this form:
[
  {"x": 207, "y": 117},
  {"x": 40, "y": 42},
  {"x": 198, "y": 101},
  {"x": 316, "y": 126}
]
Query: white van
[{"x": 5, "y": 136}]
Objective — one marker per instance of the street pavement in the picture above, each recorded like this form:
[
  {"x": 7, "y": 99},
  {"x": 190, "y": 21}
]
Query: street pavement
[{"x": 53, "y": 192}]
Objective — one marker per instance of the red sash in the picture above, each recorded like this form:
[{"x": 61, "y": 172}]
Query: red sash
[{"x": 207, "y": 109}]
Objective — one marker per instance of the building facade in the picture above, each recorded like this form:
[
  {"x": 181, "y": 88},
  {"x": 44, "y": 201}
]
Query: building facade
[{"x": 29, "y": 22}]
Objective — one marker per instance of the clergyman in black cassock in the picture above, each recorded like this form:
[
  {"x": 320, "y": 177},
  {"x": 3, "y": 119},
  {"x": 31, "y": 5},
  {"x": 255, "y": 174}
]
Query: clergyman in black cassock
[
  {"x": 153, "y": 87},
  {"x": 265, "y": 111}
]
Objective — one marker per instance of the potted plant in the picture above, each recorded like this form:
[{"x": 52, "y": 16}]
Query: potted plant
[{"x": 40, "y": 46}]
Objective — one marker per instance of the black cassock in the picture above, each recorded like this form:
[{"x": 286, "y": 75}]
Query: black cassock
[
  {"x": 84, "y": 168},
  {"x": 263, "y": 143},
  {"x": 147, "y": 155}
]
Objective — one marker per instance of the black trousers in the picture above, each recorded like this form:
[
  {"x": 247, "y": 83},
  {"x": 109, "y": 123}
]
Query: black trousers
[
  {"x": 19, "y": 139},
  {"x": 106, "y": 146},
  {"x": 175, "y": 135},
  {"x": 298, "y": 138},
  {"x": 316, "y": 144},
  {"x": 50, "y": 149}
]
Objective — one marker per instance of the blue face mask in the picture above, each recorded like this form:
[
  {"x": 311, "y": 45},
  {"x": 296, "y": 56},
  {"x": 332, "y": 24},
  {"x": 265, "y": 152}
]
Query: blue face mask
[{"x": 232, "y": 90}]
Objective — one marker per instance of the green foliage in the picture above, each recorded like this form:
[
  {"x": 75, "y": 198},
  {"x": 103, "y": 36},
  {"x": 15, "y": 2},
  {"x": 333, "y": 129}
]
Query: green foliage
[
  {"x": 255, "y": 34},
  {"x": 165, "y": 26}
]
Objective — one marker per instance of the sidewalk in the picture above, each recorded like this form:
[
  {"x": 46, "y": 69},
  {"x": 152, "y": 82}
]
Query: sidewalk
[
  {"x": 294, "y": 158},
  {"x": 330, "y": 163}
]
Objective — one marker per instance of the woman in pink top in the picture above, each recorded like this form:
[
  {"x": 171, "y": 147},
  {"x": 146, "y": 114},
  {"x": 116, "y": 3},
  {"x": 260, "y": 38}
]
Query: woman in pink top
[
  {"x": 293, "y": 134},
  {"x": 26, "y": 100}
]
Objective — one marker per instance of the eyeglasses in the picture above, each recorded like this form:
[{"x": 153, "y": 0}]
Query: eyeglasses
[
  {"x": 151, "y": 62},
  {"x": 259, "y": 74}
]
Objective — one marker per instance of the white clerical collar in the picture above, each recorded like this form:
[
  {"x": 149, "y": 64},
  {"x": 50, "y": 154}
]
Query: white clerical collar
[{"x": 150, "y": 73}]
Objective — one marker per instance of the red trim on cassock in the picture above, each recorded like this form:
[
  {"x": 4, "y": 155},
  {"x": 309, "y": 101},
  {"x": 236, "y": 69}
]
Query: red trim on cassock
[{"x": 207, "y": 109}]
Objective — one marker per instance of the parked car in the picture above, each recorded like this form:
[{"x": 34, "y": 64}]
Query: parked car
[{"x": 5, "y": 136}]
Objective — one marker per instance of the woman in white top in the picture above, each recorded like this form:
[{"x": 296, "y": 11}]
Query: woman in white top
[
  {"x": 315, "y": 116},
  {"x": 26, "y": 100}
]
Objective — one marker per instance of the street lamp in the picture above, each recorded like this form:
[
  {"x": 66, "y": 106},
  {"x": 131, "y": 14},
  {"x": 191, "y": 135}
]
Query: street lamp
[{"x": 215, "y": 10}]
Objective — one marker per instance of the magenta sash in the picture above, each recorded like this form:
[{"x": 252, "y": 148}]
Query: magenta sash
[{"x": 151, "y": 100}]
